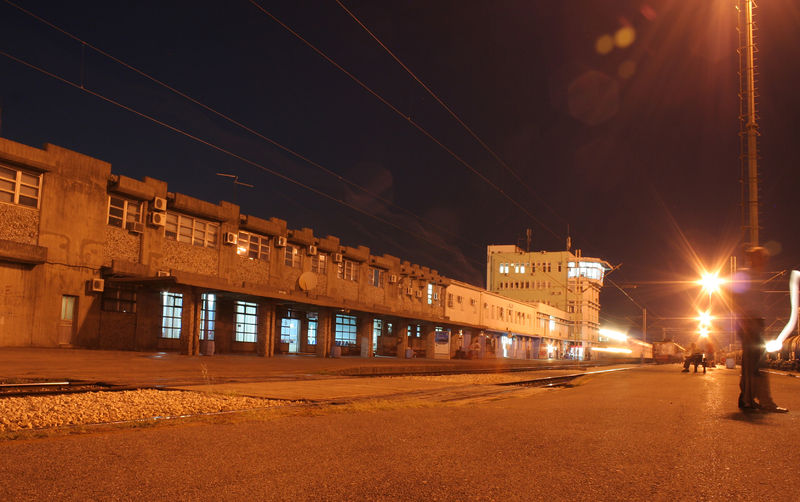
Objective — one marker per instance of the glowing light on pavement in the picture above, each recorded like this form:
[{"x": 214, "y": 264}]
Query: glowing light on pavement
[{"x": 775, "y": 345}]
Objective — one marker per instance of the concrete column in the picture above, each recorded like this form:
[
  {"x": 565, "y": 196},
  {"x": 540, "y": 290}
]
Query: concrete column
[
  {"x": 271, "y": 329},
  {"x": 190, "y": 322},
  {"x": 303, "y": 333},
  {"x": 262, "y": 333},
  {"x": 365, "y": 323},
  {"x": 324, "y": 332},
  {"x": 429, "y": 337},
  {"x": 400, "y": 327}
]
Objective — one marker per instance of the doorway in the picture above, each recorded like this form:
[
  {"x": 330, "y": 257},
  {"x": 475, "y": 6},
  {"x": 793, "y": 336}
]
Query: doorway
[
  {"x": 290, "y": 334},
  {"x": 66, "y": 324}
]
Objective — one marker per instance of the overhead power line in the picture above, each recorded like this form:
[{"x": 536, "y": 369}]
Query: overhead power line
[
  {"x": 411, "y": 121},
  {"x": 451, "y": 112},
  {"x": 219, "y": 148},
  {"x": 233, "y": 121}
]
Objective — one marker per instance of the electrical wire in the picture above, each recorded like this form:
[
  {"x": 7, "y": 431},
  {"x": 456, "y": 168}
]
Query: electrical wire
[
  {"x": 85, "y": 44},
  {"x": 451, "y": 112},
  {"x": 220, "y": 149},
  {"x": 408, "y": 118}
]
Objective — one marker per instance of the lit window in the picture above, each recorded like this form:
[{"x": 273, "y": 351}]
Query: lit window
[
  {"x": 345, "y": 333},
  {"x": 208, "y": 315},
  {"x": 291, "y": 256},
  {"x": 312, "y": 332},
  {"x": 376, "y": 277},
  {"x": 246, "y": 322},
  {"x": 171, "y": 311},
  {"x": 430, "y": 293},
  {"x": 19, "y": 187},
  {"x": 319, "y": 264},
  {"x": 191, "y": 230},
  {"x": 288, "y": 330},
  {"x": 121, "y": 211},
  {"x": 348, "y": 270},
  {"x": 119, "y": 299},
  {"x": 253, "y": 246}
]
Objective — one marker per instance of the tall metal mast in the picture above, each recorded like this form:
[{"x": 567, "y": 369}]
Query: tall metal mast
[{"x": 748, "y": 125}]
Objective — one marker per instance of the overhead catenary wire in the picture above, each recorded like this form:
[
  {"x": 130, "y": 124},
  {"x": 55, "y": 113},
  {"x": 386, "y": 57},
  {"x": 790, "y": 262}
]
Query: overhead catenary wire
[
  {"x": 219, "y": 148},
  {"x": 406, "y": 117},
  {"x": 452, "y": 113},
  {"x": 85, "y": 44}
]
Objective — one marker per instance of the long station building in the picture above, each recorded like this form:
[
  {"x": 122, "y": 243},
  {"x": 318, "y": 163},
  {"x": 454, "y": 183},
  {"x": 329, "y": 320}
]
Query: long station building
[{"x": 95, "y": 259}]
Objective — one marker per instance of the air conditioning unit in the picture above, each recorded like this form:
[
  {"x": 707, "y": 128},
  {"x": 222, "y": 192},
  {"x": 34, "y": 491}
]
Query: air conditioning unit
[
  {"x": 158, "y": 219},
  {"x": 98, "y": 285},
  {"x": 280, "y": 241},
  {"x": 312, "y": 250},
  {"x": 163, "y": 273},
  {"x": 159, "y": 204},
  {"x": 135, "y": 227},
  {"x": 337, "y": 257},
  {"x": 409, "y": 291},
  {"x": 393, "y": 278},
  {"x": 419, "y": 293},
  {"x": 231, "y": 238}
]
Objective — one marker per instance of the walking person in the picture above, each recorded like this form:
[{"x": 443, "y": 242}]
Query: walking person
[{"x": 748, "y": 301}]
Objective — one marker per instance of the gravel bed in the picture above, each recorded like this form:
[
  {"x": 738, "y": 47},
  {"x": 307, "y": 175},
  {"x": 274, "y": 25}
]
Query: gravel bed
[{"x": 40, "y": 412}]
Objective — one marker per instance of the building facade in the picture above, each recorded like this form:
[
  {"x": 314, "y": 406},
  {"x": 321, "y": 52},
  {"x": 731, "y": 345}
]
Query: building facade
[
  {"x": 90, "y": 258},
  {"x": 569, "y": 282}
]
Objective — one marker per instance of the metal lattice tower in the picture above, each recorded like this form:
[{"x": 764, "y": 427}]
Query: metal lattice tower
[{"x": 748, "y": 118}]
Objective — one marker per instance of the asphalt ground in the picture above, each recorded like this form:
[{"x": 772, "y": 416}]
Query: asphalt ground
[{"x": 648, "y": 433}]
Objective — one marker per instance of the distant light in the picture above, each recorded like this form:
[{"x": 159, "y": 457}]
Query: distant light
[
  {"x": 704, "y": 332},
  {"x": 711, "y": 282},
  {"x": 604, "y": 44},
  {"x": 705, "y": 319},
  {"x": 624, "y": 37},
  {"x": 614, "y": 335}
]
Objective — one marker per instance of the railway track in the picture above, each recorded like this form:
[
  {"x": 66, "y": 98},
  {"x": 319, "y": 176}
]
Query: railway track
[{"x": 58, "y": 387}]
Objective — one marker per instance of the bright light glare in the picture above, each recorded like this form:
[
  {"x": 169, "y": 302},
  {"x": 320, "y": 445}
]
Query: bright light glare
[
  {"x": 615, "y": 350},
  {"x": 614, "y": 335},
  {"x": 774, "y": 346},
  {"x": 705, "y": 318},
  {"x": 794, "y": 281},
  {"x": 703, "y": 332},
  {"x": 711, "y": 282}
]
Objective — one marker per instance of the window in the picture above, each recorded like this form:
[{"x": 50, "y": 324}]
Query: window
[
  {"x": 171, "y": 310},
  {"x": 312, "y": 332},
  {"x": 348, "y": 269},
  {"x": 288, "y": 330},
  {"x": 19, "y": 187},
  {"x": 504, "y": 268},
  {"x": 121, "y": 211},
  {"x": 291, "y": 256},
  {"x": 191, "y": 230},
  {"x": 246, "y": 322},
  {"x": 345, "y": 333},
  {"x": 430, "y": 293},
  {"x": 450, "y": 299},
  {"x": 117, "y": 299},
  {"x": 319, "y": 264},
  {"x": 415, "y": 331},
  {"x": 253, "y": 246},
  {"x": 208, "y": 315},
  {"x": 376, "y": 277}
]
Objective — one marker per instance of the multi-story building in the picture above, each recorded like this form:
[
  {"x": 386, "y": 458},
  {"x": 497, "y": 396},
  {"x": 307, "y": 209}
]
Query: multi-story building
[{"x": 569, "y": 282}]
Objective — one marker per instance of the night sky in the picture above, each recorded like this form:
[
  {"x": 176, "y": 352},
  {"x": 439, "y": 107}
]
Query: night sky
[{"x": 635, "y": 149}]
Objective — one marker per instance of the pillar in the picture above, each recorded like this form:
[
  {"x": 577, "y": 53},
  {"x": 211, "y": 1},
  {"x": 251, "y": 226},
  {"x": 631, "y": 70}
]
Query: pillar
[
  {"x": 190, "y": 322},
  {"x": 266, "y": 323},
  {"x": 400, "y": 327},
  {"x": 324, "y": 332},
  {"x": 365, "y": 327},
  {"x": 429, "y": 337}
]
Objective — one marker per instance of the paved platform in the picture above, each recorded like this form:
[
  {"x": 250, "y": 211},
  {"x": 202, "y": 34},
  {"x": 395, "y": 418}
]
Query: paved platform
[{"x": 172, "y": 369}]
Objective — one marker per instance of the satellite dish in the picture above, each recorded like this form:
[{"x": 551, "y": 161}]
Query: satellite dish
[{"x": 307, "y": 281}]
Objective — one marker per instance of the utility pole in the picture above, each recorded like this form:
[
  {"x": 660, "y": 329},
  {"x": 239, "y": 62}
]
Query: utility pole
[
  {"x": 644, "y": 325},
  {"x": 748, "y": 125}
]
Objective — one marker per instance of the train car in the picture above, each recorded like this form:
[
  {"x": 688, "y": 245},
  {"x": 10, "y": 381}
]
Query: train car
[{"x": 667, "y": 352}]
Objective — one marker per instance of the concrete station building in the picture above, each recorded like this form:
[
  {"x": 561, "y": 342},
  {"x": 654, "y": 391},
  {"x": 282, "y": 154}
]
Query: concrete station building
[{"x": 93, "y": 259}]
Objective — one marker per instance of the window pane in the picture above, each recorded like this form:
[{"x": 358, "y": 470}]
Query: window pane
[
  {"x": 30, "y": 179},
  {"x": 28, "y": 201}
]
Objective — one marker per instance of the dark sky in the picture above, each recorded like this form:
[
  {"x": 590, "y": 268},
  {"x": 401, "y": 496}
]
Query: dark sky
[{"x": 636, "y": 149}]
